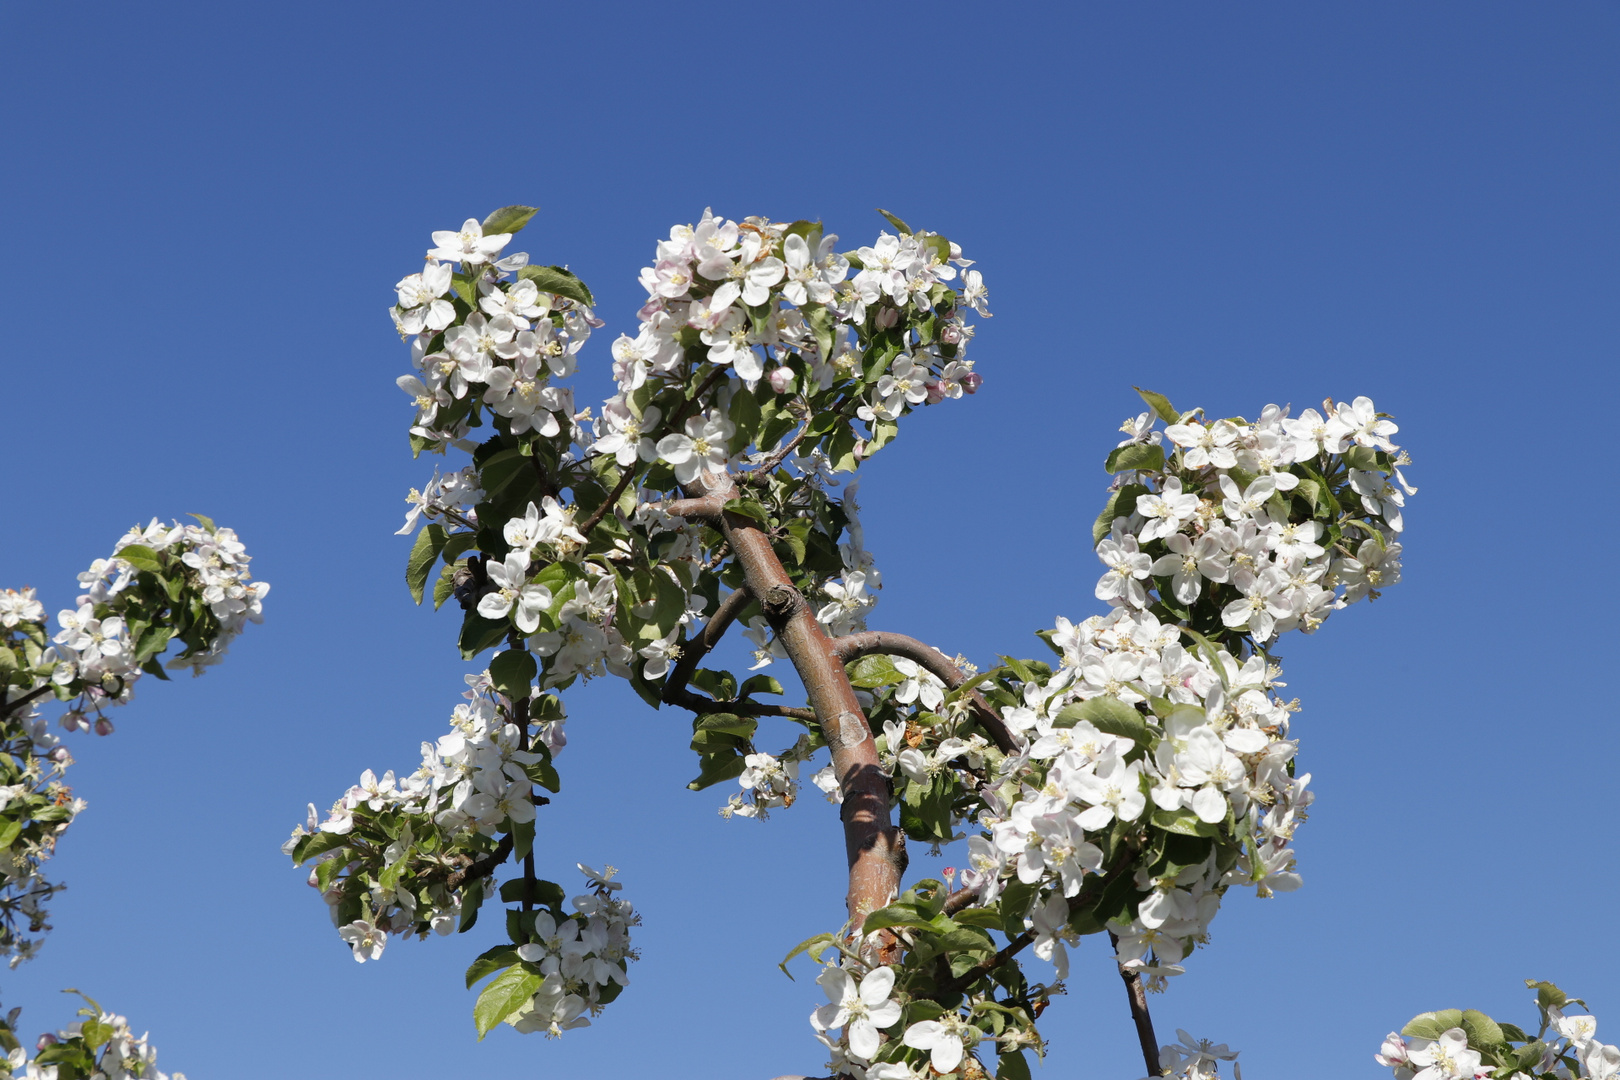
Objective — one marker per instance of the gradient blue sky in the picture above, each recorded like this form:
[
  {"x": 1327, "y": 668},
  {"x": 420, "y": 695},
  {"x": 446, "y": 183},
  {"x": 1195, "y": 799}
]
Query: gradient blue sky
[{"x": 1232, "y": 204}]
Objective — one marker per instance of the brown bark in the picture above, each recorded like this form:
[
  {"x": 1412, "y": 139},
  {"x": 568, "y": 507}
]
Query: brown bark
[
  {"x": 1137, "y": 994},
  {"x": 873, "y": 847}
]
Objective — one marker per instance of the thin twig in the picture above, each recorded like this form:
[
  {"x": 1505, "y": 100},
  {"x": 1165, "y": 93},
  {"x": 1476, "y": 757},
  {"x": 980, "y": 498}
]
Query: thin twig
[{"x": 1022, "y": 941}]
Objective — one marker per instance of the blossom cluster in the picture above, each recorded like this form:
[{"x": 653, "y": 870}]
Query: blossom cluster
[
  {"x": 99, "y": 1047},
  {"x": 385, "y": 852},
  {"x": 1152, "y": 766},
  {"x": 162, "y": 584},
  {"x": 1453, "y": 1044},
  {"x": 580, "y": 959}
]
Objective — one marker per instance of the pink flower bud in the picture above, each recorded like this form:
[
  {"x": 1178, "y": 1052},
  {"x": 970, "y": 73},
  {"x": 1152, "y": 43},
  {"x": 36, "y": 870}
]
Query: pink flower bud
[
  {"x": 935, "y": 394},
  {"x": 950, "y": 334},
  {"x": 971, "y": 383},
  {"x": 60, "y": 755},
  {"x": 45, "y": 1040},
  {"x": 781, "y": 380},
  {"x": 887, "y": 317},
  {"x": 104, "y": 726}
]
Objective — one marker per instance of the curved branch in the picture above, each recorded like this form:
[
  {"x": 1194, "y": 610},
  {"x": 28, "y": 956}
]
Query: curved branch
[
  {"x": 854, "y": 646},
  {"x": 706, "y": 510},
  {"x": 32, "y": 695}
]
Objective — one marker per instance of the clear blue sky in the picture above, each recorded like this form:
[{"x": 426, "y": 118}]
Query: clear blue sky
[{"x": 1232, "y": 204}]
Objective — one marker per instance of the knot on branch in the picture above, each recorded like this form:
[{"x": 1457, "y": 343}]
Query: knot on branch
[{"x": 781, "y": 602}]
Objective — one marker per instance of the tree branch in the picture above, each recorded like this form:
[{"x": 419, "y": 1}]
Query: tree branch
[
  {"x": 675, "y": 686},
  {"x": 874, "y": 848},
  {"x": 1137, "y": 994},
  {"x": 481, "y": 867},
  {"x": 35, "y": 693},
  {"x": 854, "y": 646}
]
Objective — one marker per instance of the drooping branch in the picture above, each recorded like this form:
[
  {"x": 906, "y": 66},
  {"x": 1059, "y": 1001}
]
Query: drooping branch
[
  {"x": 854, "y": 646},
  {"x": 1137, "y": 994}
]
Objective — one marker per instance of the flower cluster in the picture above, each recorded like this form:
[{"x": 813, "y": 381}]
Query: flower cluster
[
  {"x": 1453, "y": 1044},
  {"x": 387, "y": 854},
  {"x": 1151, "y": 766},
  {"x": 99, "y": 1047},
  {"x": 162, "y": 584},
  {"x": 579, "y": 959}
]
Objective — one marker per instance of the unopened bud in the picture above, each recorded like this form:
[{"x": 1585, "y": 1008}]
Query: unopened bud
[
  {"x": 45, "y": 1040},
  {"x": 104, "y": 726},
  {"x": 935, "y": 394},
  {"x": 60, "y": 755},
  {"x": 781, "y": 380},
  {"x": 887, "y": 317},
  {"x": 950, "y": 334},
  {"x": 971, "y": 383}
]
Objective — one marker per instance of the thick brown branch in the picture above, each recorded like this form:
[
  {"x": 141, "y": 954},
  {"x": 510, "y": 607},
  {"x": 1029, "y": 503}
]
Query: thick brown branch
[
  {"x": 1137, "y": 993},
  {"x": 854, "y": 646},
  {"x": 705, "y": 510},
  {"x": 874, "y": 848}
]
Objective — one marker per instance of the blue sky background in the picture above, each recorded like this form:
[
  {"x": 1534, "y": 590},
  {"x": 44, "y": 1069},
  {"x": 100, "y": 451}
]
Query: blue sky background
[{"x": 206, "y": 205}]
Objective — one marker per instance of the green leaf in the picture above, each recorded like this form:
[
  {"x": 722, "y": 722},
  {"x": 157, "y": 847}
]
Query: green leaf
[
  {"x": 96, "y": 1034},
  {"x": 1012, "y": 1066},
  {"x": 479, "y": 633},
  {"x": 749, "y": 508},
  {"x": 490, "y": 961},
  {"x": 205, "y": 521},
  {"x": 1483, "y": 1032},
  {"x": 759, "y": 684},
  {"x": 1136, "y": 456},
  {"x": 445, "y": 586},
  {"x": 1432, "y": 1025},
  {"x": 1015, "y": 901},
  {"x": 472, "y": 898},
  {"x": 1159, "y": 404},
  {"x": 896, "y": 914},
  {"x": 429, "y": 542},
  {"x": 501, "y": 998},
  {"x": 727, "y": 723},
  {"x": 870, "y": 672},
  {"x": 822, "y": 324},
  {"x": 713, "y": 768},
  {"x": 9, "y": 833},
  {"x": 556, "y": 280},
  {"x": 544, "y": 893},
  {"x": 317, "y": 844},
  {"x": 812, "y": 945},
  {"x": 1184, "y": 822},
  {"x": 896, "y": 222},
  {"x": 509, "y": 219},
  {"x": 1548, "y": 996},
  {"x": 140, "y": 557},
  {"x": 1109, "y": 715},
  {"x": 500, "y": 470},
  {"x": 513, "y": 672},
  {"x": 1121, "y": 504},
  {"x": 522, "y": 838}
]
